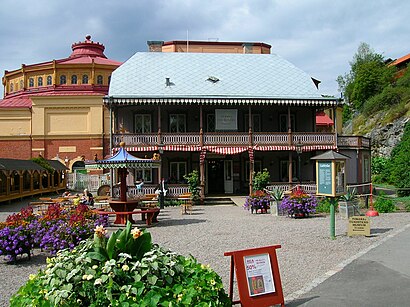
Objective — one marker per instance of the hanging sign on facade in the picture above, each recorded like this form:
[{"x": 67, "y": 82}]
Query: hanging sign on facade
[{"x": 226, "y": 119}]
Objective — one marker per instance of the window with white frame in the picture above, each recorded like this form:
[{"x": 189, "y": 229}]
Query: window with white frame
[
  {"x": 284, "y": 170},
  {"x": 40, "y": 81},
  {"x": 177, "y": 170},
  {"x": 145, "y": 174},
  {"x": 74, "y": 79},
  {"x": 142, "y": 123},
  {"x": 177, "y": 123},
  {"x": 49, "y": 80},
  {"x": 63, "y": 79},
  {"x": 257, "y": 167},
  {"x": 256, "y": 122},
  {"x": 31, "y": 82},
  {"x": 283, "y": 122},
  {"x": 85, "y": 79}
]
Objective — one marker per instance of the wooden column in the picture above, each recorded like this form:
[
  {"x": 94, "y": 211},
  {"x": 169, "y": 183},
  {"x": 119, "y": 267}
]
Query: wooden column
[
  {"x": 251, "y": 157},
  {"x": 201, "y": 156},
  {"x": 159, "y": 125},
  {"x": 290, "y": 168}
]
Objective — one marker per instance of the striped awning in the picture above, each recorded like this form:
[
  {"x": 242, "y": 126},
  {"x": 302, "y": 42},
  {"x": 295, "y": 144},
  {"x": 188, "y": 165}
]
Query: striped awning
[
  {"x": 137, "y": 148},
  {"x": 181, "y": 148},
  {"x": 226, "y": 150}
]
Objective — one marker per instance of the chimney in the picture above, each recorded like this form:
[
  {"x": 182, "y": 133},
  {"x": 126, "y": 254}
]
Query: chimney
[{"x": 155, "y": 46}]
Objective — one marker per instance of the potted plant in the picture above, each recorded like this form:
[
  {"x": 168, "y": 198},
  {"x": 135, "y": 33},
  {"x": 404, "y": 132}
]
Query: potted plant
[
  {"x": 257, "y": 201},
  {"x": 276, "y": 200},
  {"x": 299, "y": 204},
  {"x": 348, "y": 204}
]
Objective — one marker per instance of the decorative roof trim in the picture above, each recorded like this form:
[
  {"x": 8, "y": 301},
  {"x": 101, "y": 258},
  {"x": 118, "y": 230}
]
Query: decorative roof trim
[{"x": 109, "y": 100}]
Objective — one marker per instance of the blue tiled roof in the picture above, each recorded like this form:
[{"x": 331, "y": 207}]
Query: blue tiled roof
[{"x": 231, "y": 76}]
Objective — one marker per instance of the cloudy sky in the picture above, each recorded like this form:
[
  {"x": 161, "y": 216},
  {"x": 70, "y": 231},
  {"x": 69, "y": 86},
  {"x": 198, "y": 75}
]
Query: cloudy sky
[{"x": 318, "y": 36}]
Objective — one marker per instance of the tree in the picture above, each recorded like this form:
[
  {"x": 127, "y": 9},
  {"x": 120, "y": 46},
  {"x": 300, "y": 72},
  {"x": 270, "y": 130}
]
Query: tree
[{"x": 368, "y": 76}]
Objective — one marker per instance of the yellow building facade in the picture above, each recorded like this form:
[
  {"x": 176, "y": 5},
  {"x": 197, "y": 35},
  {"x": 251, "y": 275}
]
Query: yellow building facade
[{"x": 55, "y": 108}]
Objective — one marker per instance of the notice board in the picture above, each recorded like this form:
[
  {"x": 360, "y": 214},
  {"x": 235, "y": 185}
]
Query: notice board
[
  {"x": 257, "y": 276},
  {"x": 325, "y": 178}
]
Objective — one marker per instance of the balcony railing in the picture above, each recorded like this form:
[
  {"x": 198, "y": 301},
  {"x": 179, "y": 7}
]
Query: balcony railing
[{"x": 241, "y": 139}]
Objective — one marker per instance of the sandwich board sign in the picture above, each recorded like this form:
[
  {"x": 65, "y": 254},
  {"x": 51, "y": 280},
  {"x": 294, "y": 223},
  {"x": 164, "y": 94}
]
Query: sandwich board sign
[{"x": 257, "y": 276}]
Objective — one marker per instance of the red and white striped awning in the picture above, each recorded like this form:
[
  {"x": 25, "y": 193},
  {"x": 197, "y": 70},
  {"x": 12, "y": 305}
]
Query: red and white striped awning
[
  {"x": 226, "y": 150},
  {"x": 137, "y": 148},
  {"x": 181, "y": 148},
  {"x": 271, "y": 148}
]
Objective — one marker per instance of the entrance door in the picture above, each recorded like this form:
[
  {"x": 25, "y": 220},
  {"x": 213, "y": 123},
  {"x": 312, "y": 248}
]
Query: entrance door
[
  {"x": 228, "y": 175},
  {"x": 215, "y": 180}
]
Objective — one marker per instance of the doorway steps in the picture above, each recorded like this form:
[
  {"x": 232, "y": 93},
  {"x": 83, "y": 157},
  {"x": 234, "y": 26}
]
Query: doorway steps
[{"x": 218, "y": 200}]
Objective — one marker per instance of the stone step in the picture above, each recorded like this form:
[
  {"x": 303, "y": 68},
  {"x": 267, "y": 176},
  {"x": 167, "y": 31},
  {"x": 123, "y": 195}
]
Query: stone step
[{"x": 218, "y": 201}]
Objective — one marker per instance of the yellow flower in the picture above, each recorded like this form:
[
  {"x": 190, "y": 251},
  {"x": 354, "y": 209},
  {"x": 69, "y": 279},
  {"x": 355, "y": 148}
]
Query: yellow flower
[
  {"x": 94, "y": 267},
  {"x": 98, "y": 281},
  {"x": 31, "y": 276},
  {"x": 213, "y": 282},
  {"x": 179, "y": 298},
  {"x": 136, "y": 233},
  {"x": 125, "y": 267},
  {"x": 100, "y": 231}
]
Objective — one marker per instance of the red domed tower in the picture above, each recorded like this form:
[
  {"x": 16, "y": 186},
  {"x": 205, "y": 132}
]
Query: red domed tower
[{"x": 56, "y": 107}]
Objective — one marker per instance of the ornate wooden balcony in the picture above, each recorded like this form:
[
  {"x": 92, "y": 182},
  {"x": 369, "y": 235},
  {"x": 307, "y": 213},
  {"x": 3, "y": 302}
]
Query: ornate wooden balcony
[{"x": 232, "y": 139}]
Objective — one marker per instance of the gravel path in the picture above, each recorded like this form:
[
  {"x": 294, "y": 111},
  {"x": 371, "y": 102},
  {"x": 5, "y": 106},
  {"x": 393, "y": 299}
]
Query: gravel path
[{"x": 307, "y": 252}]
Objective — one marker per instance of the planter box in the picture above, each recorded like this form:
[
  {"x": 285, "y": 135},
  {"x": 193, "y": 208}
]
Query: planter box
[
  {"x": 275, "y": 207},
  {"x": 348, "y": 209}
]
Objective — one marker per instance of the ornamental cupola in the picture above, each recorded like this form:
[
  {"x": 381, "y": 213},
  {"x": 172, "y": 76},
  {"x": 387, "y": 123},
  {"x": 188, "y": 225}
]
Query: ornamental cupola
[{"x": 87, "y": 48}]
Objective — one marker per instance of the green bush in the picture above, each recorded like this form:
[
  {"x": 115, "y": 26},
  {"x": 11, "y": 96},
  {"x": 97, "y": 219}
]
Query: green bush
[
  {"x": 389, "y": 97},
  {"x": 399, "y": 165},
  {"x": 194, "y": 184},
  {"x": 324, "y": 205},
  {"x": 260, "y": 180},
  {"x": 384, "y": 205},
  {"x": 124, "y": 270}
]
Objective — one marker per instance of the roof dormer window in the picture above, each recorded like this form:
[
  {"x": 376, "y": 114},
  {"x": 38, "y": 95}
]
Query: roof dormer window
[
  {"x": 85, "y": 79},
  {"x": 63, "y": 79},
  {"x": 40, "y": 81},
  {"x": 31, "y": 82},
  {"x": 74, "y": 79}
]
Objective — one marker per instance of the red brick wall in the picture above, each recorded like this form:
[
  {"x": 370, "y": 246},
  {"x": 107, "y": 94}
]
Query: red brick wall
[{"x": 15, "y": 149}]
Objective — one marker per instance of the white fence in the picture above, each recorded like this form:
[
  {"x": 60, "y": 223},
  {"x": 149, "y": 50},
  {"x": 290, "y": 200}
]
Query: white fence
[{"x": 79, "y": 181}]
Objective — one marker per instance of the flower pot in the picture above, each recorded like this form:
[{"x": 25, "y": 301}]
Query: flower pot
[
  {"x": 348, "y": 209},
  {"x": 275, "y": 207}
]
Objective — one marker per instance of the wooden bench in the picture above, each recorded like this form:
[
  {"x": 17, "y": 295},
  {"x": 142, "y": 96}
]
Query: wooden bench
[{"x": 147, "y": 215}]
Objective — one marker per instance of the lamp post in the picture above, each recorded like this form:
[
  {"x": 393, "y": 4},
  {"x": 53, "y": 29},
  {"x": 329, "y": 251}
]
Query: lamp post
[{"x": 299, "y": 147}]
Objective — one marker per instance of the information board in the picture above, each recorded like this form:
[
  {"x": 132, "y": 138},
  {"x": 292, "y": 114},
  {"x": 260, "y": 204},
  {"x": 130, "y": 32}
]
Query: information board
[
  {"x": 359, "y": 226},
  {"x": 324, "y": 178}
]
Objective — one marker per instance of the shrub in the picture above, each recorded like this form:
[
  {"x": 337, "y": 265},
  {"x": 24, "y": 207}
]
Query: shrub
[
  {"x": 389, "y": 97},
  {"x": 384, "y": 205},
  {"x": 323, "y": 205},
  {"x": 193, "y": 182},
  {"x": 124, "y": 270},
  {"x": 260, "y": 180},
  {"x": 399, "y": 165}
]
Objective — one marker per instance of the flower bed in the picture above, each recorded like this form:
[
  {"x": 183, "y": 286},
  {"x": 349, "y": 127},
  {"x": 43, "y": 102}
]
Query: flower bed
[
  {"x": 125, "y": 269},
  {"x": 57, "y": 229},
  {"x": 299, "y": 204},
  {"x": 258, "y": 201}
]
